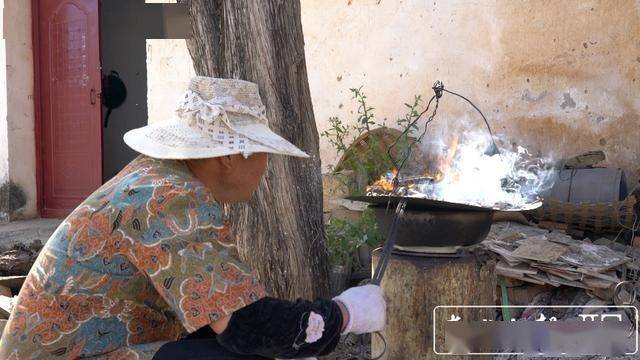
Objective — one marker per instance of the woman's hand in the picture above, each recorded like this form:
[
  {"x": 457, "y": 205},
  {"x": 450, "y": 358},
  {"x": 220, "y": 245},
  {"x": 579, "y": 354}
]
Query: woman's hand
[{"x": 366, "y": 309}]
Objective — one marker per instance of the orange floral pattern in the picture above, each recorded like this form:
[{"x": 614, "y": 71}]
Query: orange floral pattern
[
  {"x": 200, "y": 308},
  {"x": 144, "y": 260}
]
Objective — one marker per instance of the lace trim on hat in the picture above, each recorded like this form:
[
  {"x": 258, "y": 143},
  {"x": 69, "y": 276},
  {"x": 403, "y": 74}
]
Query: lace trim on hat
[{"x": 211, "y": 117}]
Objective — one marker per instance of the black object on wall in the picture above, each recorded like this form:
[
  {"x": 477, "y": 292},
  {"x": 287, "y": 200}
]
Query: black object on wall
[{"x": 114, "y": 93}]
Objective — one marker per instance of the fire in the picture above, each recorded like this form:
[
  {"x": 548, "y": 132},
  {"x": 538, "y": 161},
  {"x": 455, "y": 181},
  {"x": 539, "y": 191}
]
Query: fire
[
  {"x": 385, "y": 182},
  {"x": 445, "y": 166},
  {"x": 443, "y": 169},
  {"x": 464, "y": 172}
]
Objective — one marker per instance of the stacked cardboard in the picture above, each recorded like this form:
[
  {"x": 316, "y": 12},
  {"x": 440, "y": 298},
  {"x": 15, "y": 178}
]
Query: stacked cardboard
[{"x": 541, "y": 257}]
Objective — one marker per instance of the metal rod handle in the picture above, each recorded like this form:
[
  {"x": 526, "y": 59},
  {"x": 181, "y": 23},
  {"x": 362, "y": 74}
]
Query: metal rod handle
[{"x": 389, "y": 244}]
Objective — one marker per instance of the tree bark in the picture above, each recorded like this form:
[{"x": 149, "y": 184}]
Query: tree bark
[
  {"x": 414, "y": 286},
  {"x": 280, "y": 233}
]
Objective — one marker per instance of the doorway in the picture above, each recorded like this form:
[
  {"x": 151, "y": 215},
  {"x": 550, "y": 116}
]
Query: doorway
[
  {"x": 67, "y": 96},
  {"x": 76, "y": 42},
  {"x": 125, "y": 27}
]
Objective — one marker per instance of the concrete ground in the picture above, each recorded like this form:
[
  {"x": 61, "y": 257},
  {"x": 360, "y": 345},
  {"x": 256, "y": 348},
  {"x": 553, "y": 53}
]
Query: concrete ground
[{"x": 27, "y": 232}]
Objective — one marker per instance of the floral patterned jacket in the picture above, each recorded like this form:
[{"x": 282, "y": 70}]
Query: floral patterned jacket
[{"x": 144, "y": 260}]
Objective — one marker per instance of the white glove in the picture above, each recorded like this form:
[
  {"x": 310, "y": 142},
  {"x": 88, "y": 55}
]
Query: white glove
[{"x": 366, "y": 307}]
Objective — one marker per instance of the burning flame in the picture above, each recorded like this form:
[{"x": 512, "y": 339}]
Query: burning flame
[
  {"x": 466, "y": 174},
  {"x": 446, "y": 163},
  {"x": 385, "y": 182}
]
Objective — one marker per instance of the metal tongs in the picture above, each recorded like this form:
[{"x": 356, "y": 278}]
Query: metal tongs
[
  {"x": 389, "y": 244},
  {"x": 383, "y": 262}
]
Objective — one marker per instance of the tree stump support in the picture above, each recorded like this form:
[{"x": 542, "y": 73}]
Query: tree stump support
[{"x": 415, "y": 285}]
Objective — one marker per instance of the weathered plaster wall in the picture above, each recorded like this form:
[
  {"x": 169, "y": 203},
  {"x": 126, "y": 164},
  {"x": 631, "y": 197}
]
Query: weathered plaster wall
[
  {"x": 169, "y": 70},
  {"x": 559, "y": 77},
  {"x": 4, "y": 142},
  {"x": 19, "y": 108}
]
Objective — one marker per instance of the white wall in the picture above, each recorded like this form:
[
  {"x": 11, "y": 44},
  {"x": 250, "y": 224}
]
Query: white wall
[
  {"x": 170, "y": 68},
  {"x": 4, "y": 142},
  {"x": 20, "y": 107}
]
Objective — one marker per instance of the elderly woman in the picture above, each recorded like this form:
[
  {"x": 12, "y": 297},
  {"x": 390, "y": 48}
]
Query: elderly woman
[{"x": 147, "y": 259}]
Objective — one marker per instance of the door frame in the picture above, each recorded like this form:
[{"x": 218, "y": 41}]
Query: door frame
[{"x": 37, "y": 78}]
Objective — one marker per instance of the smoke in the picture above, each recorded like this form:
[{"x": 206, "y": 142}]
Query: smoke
[{"x": 466, "y": 173}]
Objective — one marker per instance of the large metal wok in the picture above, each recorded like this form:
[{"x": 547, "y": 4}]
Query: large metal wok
[
  {"x": 419, "y": 228},
  {"x": 432, "y": 223},
  {"x": 429, "y": 204}
]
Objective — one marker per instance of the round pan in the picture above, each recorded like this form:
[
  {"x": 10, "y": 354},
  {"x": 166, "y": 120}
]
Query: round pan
[
  {"x": 429, "y": 204},
  {"x": 441, "y": 228}
]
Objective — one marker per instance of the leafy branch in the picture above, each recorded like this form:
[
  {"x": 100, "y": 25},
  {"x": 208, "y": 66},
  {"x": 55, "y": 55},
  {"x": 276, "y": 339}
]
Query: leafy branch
[{"x": 370, "y": 158}]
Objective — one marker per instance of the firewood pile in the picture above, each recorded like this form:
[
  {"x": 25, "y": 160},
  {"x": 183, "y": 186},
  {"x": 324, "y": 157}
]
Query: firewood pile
[{"x": 538, "y": 256}]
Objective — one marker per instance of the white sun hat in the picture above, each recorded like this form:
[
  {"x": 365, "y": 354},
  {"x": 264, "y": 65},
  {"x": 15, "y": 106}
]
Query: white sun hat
[{"x": 215, "y": 117}]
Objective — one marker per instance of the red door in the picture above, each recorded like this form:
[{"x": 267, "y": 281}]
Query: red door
[{"x": 70, "y": 83}]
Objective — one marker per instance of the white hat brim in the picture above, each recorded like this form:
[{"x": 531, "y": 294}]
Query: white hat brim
[{"x": 195, "y": 144}]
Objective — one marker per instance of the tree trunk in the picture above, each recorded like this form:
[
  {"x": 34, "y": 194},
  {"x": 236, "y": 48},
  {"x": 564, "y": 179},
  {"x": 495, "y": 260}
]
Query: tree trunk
[
  {"x": 280, "y": 233},
  {"x": 414, "y": 286}
]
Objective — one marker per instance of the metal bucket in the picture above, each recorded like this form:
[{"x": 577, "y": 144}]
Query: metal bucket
[{"x": 596, "y": 185}]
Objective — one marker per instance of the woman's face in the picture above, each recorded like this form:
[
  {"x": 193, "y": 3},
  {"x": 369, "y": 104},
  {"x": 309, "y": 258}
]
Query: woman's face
[
  {"x": 231, "y": 178},
  {"x": 245, "y": 175}
]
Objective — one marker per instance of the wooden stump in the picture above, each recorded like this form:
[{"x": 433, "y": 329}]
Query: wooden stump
[{"x": 414, "y": 286}]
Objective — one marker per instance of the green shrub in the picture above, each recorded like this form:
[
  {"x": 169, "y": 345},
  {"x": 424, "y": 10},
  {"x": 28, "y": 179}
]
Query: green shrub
[
  {"x": 371, "y": 160},
  {"x": 345, "y": 236}
]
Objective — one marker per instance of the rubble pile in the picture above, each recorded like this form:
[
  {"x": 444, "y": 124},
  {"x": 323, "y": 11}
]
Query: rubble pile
[
  {"x": 15, "y": 263},
  {"x": 9, "y": 289}
]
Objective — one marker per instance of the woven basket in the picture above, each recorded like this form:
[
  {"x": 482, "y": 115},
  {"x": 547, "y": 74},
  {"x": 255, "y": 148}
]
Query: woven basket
[
  {"x": 371, "y": 148},
  {"x": 606, "y": 217}
]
